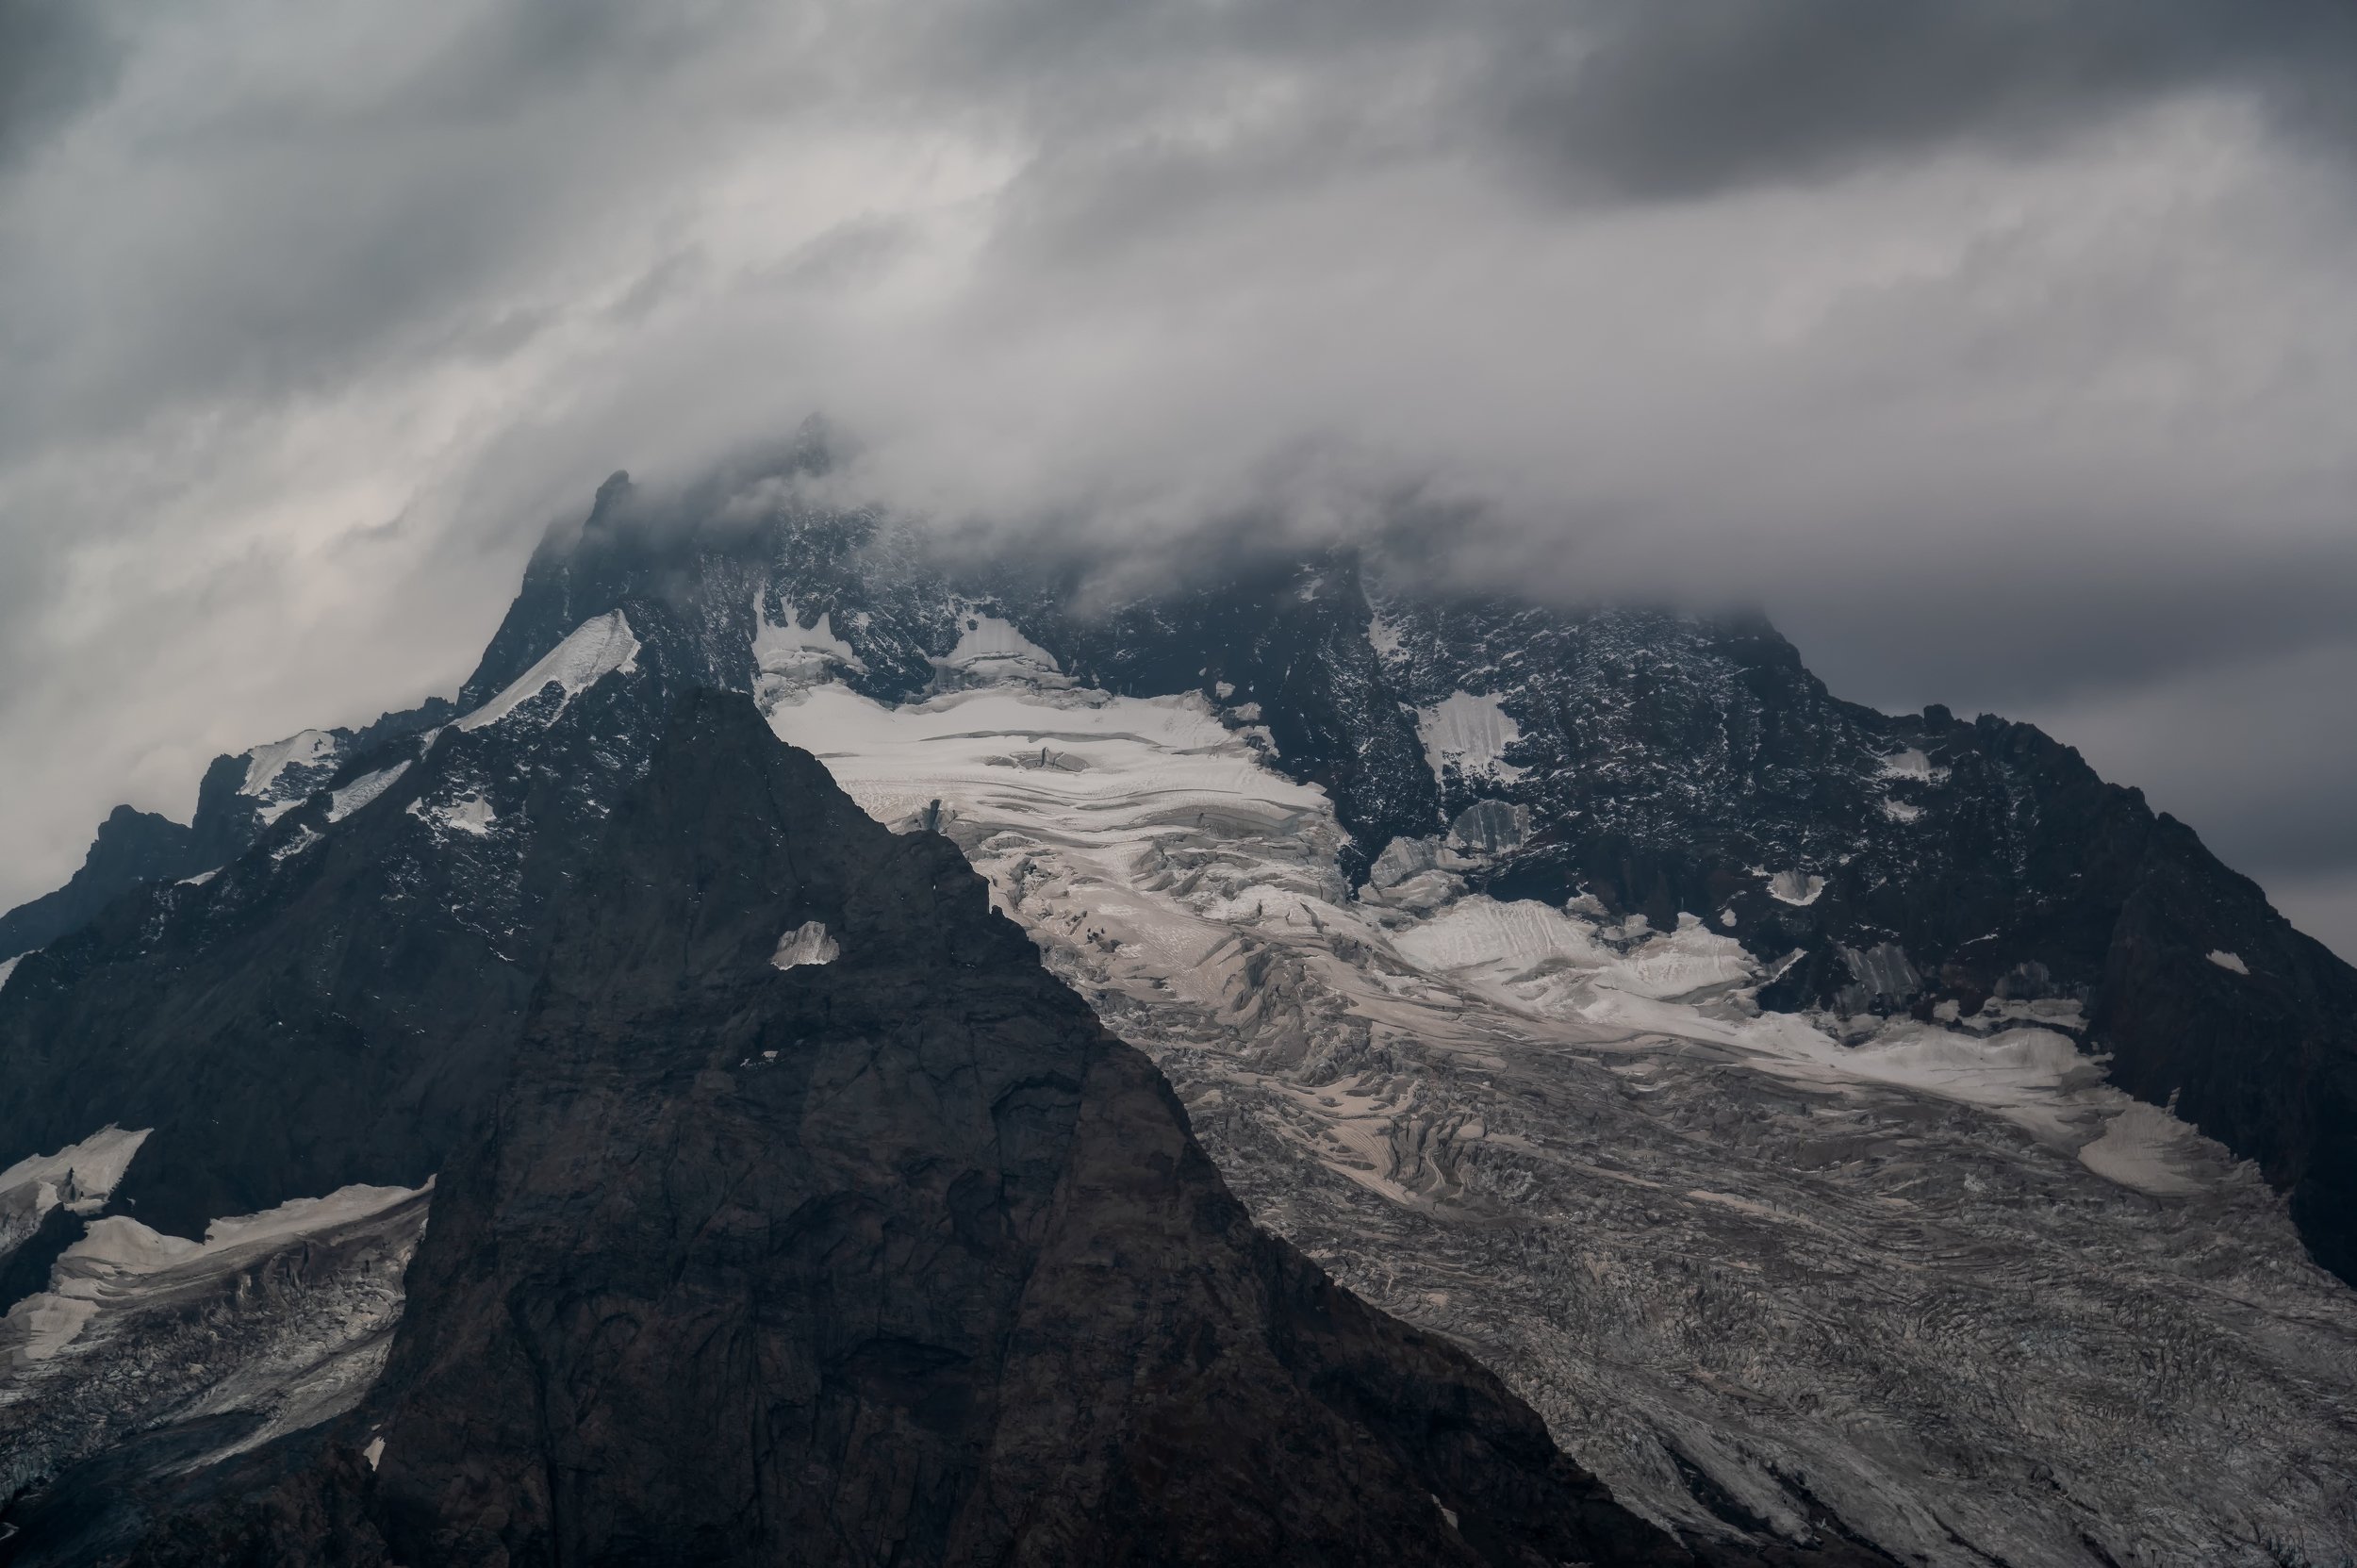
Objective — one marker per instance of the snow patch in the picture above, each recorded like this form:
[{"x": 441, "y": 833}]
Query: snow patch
[
  {"x": 303, "y": 749},
  {"x": 1795, "y": 887},
  {"x": 1471, "y": 733},
  {"x": 360, "y": 791},
  {"x": 472, "y": 815},
  {"x": 807, "y": 943},
  {"x": 305, "y": 837},
  {"x": 796, "y": 654},
  {"x": 1898, "y": 811},
  {"x": 1912, "y": 763},
  {"x": 2225, "y": 959},
  {"x": 1383, "y": 637},
  {"x": 373, "y": 1452},
  {"x": 7, "y": 967},
  {"x": 592, "y": 651},
  {"x": 199, "y": 879},
  {"x": 2144, "y": 1147},
  {"x": 992, "y": 647},
  {"x": 80, "y": 1176}
]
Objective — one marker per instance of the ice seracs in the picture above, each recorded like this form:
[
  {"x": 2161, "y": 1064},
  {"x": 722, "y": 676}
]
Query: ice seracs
[
  {"x": 593, "y": 649},
  {"x": 1384, "y": 1072}
]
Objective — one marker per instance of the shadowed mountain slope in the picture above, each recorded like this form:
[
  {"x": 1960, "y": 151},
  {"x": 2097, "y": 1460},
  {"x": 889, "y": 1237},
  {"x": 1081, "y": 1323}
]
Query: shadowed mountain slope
[{"x": 896, "y": 1257}]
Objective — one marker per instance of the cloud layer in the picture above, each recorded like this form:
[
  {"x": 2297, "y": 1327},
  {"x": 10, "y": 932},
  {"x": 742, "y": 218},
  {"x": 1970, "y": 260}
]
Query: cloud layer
[{"x": 2001, "y": 351}]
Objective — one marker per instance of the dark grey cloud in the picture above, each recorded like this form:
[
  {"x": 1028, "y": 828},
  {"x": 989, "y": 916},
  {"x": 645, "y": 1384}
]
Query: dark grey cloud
[
  {"x": 2003, "y": 351},
  {"x": 1683, "y": 100},
  {"x": 56, "y": 57}
]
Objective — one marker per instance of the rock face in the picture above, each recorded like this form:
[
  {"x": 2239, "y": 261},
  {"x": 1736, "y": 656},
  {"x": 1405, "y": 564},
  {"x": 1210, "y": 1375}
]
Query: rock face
[
  {"x": 898, "y": 1257},
  {"x": 132, "y": 847}
]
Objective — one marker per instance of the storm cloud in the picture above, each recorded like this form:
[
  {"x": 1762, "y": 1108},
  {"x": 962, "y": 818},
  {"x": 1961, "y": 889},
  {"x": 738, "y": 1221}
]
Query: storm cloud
[{"x": 2003, "y": 351}]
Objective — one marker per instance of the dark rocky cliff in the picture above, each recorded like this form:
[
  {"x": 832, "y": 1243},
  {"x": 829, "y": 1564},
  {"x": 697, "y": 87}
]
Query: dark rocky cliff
[{"x": 892, "y": 1258}]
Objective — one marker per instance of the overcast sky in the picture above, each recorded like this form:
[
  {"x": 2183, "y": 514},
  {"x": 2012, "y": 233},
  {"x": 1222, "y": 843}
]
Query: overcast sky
[{"x": 2005, "y": 351}]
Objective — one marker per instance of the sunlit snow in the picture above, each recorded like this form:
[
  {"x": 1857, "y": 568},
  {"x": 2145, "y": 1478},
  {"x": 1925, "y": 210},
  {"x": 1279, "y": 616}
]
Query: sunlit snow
[{"x": 2225, "y": 959}]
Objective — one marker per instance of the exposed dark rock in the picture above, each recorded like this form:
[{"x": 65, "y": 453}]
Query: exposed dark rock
[
  {"x": 895, "y": 1258},
  {"x": 132, "y": 847}
]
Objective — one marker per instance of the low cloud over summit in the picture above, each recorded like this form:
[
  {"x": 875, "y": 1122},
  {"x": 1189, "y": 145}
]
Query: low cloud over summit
[{"x": 2003, "y": 352}]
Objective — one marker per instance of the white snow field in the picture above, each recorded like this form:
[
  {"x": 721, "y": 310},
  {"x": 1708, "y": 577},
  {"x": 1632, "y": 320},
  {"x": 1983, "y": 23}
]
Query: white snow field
[{"x": 1938, "y": 1276}]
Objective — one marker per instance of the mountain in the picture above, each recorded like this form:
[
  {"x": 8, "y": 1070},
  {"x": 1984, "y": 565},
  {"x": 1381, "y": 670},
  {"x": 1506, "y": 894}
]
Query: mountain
[
  {"x": 870, "y": 1245},
  {"x": 1848, "y": 1132}
]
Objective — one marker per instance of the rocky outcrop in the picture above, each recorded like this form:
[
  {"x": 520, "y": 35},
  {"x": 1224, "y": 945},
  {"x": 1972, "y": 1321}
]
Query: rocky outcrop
[
  {"x": 132, "y": 847},
  {"x": 896, "y": 1258}
]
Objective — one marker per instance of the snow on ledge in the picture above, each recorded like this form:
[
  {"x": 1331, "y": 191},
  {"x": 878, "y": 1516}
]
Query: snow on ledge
[
  {"x": 80, "y": 1176},
  {"x": 7, "y": 967},
  {"x": 301, "y": 750},
  {"x": 360, "y": 791},
  {"x": 1471, "y": 732},
  {"x": 590, "y": 651},
  {"x": 472, "y": 815},
  {"x": 807, "y": 943},
  {"x": 2225, "y": 959},
  {"x": 788, "y": 649},
  {"x": 988, "y": 645},
  {"x": 1795, "y": 887}
]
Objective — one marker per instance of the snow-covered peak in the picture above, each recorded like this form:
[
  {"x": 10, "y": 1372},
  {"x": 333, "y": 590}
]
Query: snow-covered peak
[{"x": 590, "y": 651}]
